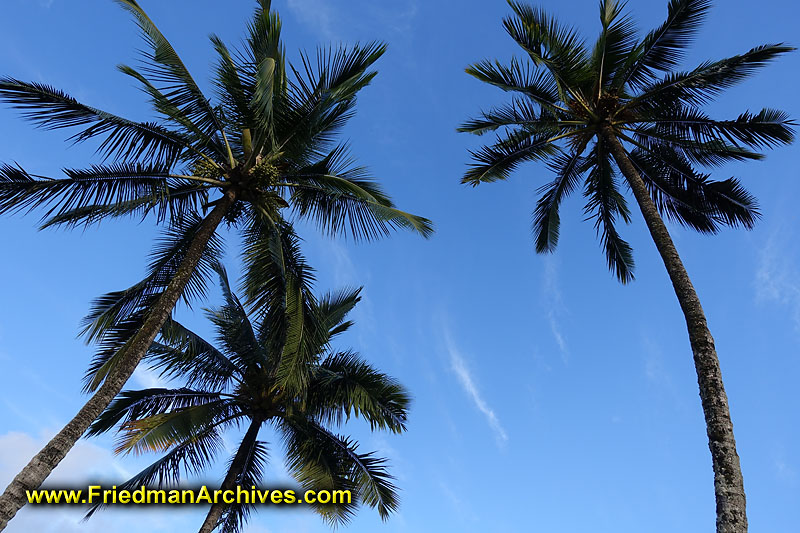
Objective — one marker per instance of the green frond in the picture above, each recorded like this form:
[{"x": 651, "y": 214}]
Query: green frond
[
  {"x": 705, "y": 82},
  {"x": 184, "y": 354},
  {"x": 766, "y": 129},
  {"x": 520, "y": 112},
  {"x": 163, "y": 66},
  {"x": 236, "y": 515},
  {"x": 117, "y": 189},
  {"x": 134, "y": 405},
  {"x": 191, "y": 456},
  {"x": 712, "y": 152},
  {"x": 121, "y": 139},
  {"x": 334, "y": 307},
  {"x": 546, "y": 220},
  {"x": 344, "y": 385},
  {"x": 496, "y": 162},
  {"x": 116, "y": 317},
  {"x": 340, "y": 199},
  {"x": 690, "y": 198},
  {"x": 614, "y": 45},
  {"x": 556, "y": 47},
  {"x": 605, "y": 204},
  {"x": 234, "y": 331},
  {"x": 538, "y": 86},
  {"x": 664, "y": 47},
  {"x": 167, "y": 429},
  {"x": 320, "y": 459}
]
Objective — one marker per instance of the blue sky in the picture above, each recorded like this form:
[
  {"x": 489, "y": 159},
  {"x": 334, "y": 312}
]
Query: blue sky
[{"x": 547, "y": 397}]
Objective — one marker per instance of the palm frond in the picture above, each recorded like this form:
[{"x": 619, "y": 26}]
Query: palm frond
[
  {"x": 538, "y": 86},
  {"x": 702, "y": 84},
  {"x": 766, "y": 129},
  {"x": 121, "y": 139},
  {"x": 191, "y": 456},
  {"x": 613, "y": 47},
  {"x": 341, "y": 200},
  {"x": 605, "y": 204},
  {"x": 184, "y": 354},
  {"x": 235, "y": 333},
  {"x": 344, "y": 385},
  {"x": 690, "y": 198},
  {"x": 546, "y": 220},
  {"x": 319, "y": 459},
  {"x": 320, "y": 100},
  {"x": 556, "y": 47},
  {"x": 235, "y": 516},
  {"x": 116, "y": 317},
  {"x": 520, "y": 112},
  {"x": 173, "y": 206},
  {"x": 115, "y": 188},
  {"x": 496, "y": 162},
  {"x": 333, "y": 308},
  {"x": 663, "y": 48},
  {"x": 165, "y": 430},
  {"x": 133, "y": 405},
  {"x": 163, "y": 65}
]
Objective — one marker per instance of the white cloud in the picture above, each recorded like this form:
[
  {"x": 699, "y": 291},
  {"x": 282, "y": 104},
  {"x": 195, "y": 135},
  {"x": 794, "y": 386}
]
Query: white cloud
[
  {"x": 462, "y": 509},
  {"x": 459, "y": 368},
  {"x": 324, "y": 16},
  {"x": 555, "y": 305},
  {"x": 148, "y": 379},
  {"x": 315, "y": 13},
  {"x": 395, "y": 16},
  {"x": 87, "y": 461},
  {"x": 778, "y": 277}
]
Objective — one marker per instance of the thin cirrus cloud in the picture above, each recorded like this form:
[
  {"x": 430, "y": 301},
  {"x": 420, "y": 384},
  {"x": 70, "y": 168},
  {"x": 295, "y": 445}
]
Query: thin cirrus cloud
[
  {"x": 555, "y": 306},
  {"x": 465, "y": 379},
  {"x": 315, "y": 13},
  {"x": 777, "y": 275},
  {"x": 324, "y": 16}
]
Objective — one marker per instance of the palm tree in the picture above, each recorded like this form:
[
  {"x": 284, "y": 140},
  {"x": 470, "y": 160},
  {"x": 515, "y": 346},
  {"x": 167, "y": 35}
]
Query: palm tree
[
  {"x": 620, "y": 107},
  {"x": 243, "y": 383},
  {"x": 265, "y": 151}
]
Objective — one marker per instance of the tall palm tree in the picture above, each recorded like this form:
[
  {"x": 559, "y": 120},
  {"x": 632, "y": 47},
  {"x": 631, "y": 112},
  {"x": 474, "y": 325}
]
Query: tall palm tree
[
  {"x": 242, "y": 383},
  {"x": 620, "y": 107},
  {"x": 264, "y": 151}
]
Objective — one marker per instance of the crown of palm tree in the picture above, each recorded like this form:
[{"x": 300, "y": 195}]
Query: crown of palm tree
[
  {"x": 567, "y": 94},
  {"x": 269, "y": 139},
  {"x": 243, "y": 381},
  {"x": 270, "y": 136}
]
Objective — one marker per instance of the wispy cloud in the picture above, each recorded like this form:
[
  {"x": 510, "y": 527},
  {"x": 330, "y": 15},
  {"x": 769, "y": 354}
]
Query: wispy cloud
[
  {"x": 315, "y": 13},
  {"x": 459, "y": 367},
  {"x": 148, "y": 379},
  {"x": 654, "y": 368},
  {"x": 397, "y": 17},
  {"x": 336, "y": 263},
  {"x": 325, "y": 17},
  {"x": 462, "y": 509},
  {"x": 777, "y": 276},
  {"x": 87, "y": 461},
  {"x": 555, "y": 305}
]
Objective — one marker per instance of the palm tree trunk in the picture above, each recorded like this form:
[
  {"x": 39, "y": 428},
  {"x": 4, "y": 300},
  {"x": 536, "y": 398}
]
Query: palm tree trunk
[
  {"x": 728, "y": 482},
  {"x": 43, "y": 463},
  {"x": 235, "y": 470}
]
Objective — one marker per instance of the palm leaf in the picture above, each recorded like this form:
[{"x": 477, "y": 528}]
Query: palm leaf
[
  {"x": 664, "y": 47},
  {"x": 122, "y": 139}
]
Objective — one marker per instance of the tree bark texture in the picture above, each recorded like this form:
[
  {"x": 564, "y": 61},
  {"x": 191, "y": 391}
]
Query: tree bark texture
[
  {"x": 234, "y": 472},
  {"x": 43, "y": 463},
  {"x": 728, "y": 482}
]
